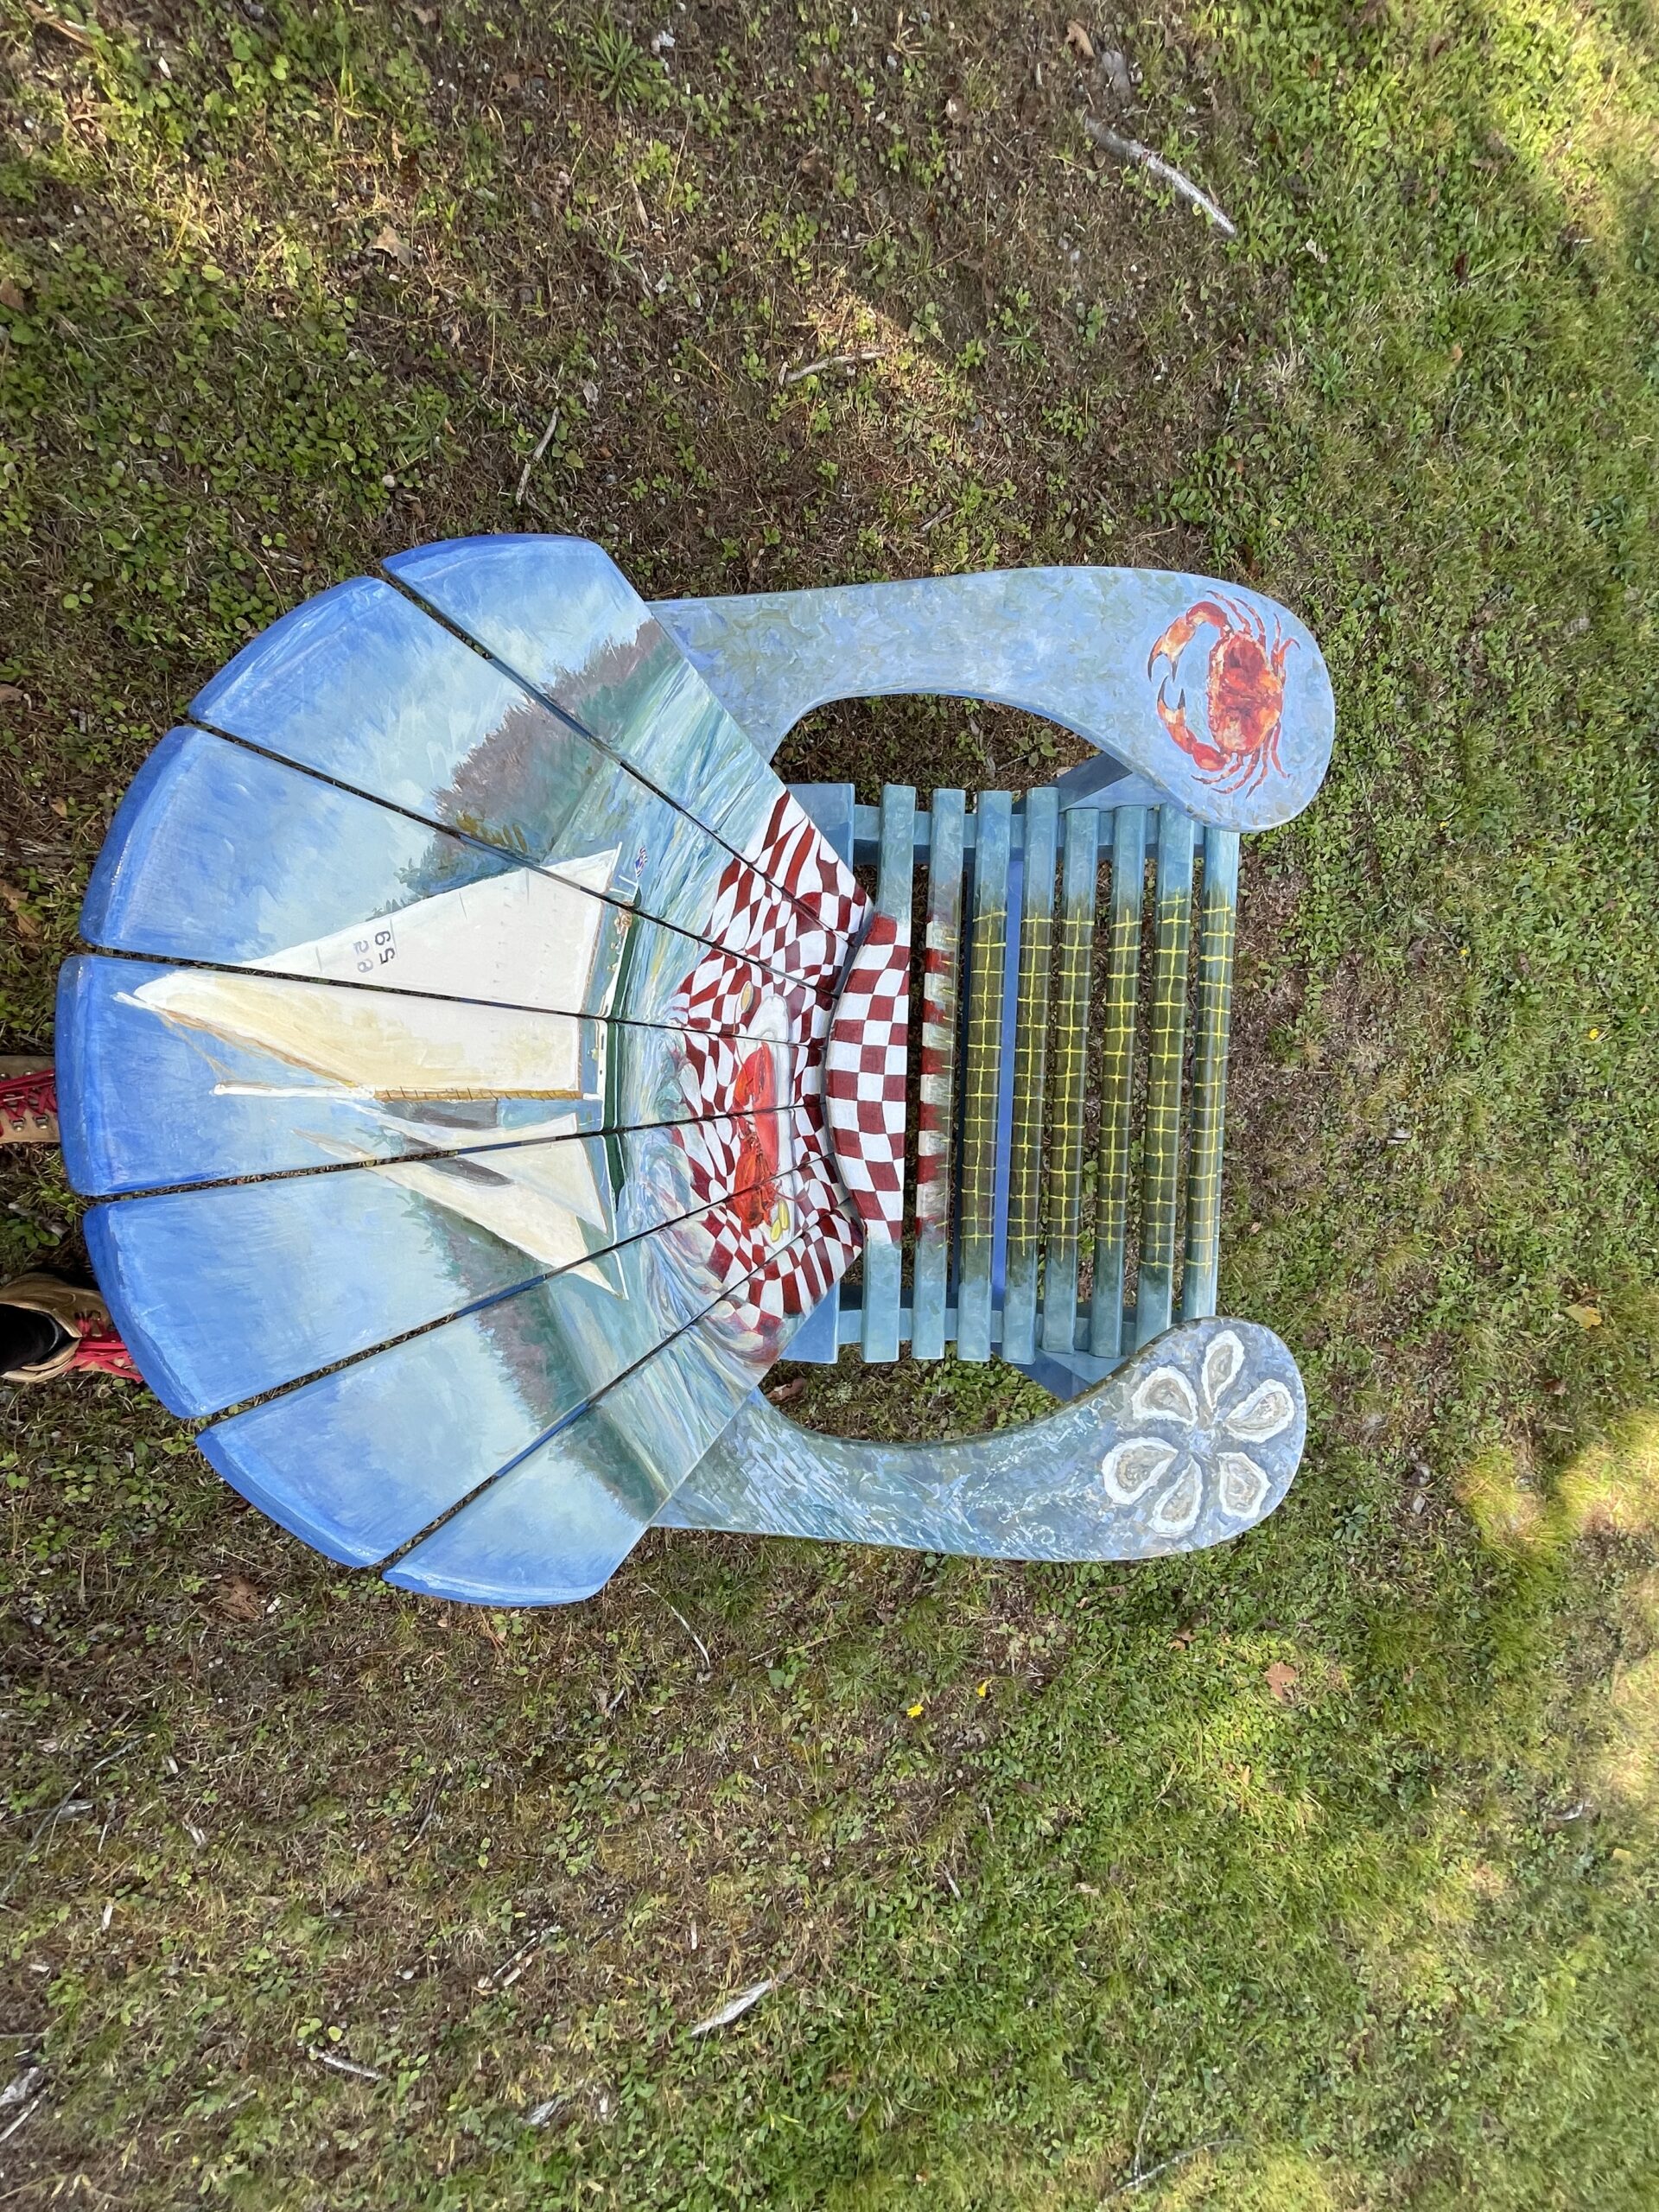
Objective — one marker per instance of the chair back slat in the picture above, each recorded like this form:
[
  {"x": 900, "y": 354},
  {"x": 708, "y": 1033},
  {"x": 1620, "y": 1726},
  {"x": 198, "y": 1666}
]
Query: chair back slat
[
  {"x": 982, "y": 1073},
  {"x": 1073, "y": 976},
  {"x": 883, "y": 1256},
  {"x": 1117, "y": 1082},
  {"x": 936, "y": 1117},
  {"x": 1041, "y": 819},
  {"x": 1214, "y": 1012},
  {"x": 1166, "y": 1045}
]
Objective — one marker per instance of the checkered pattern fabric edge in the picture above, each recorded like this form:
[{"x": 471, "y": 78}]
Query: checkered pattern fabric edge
[
  {"x": 766, "y": 975},
  {"x": 789, "y": 903},
  {"x": 865, "y": 1067}
]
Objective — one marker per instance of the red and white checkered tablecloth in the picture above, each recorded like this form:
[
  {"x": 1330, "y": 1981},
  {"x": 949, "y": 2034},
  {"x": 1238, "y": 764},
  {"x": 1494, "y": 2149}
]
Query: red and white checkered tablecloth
[
  {"x": 790, "y": 903},
  {"x": 865, "y": 1065},
  {"x": 758, "y": 1089}
]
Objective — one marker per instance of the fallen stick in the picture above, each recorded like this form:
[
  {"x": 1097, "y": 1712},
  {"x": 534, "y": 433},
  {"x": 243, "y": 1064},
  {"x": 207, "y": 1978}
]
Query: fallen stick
[
  {"x": 739, "y": 2006},
  {"x": 708, "y": 1662},
  {"x": 1138, "y": 2181},
  {"x": 1131, "y": 150},
  {"x": 523, "y": 477},
  {"x": 77, "y": 33},
  {"x": 830, "y": 361},
  {"x": 341, "y": 2065},
  {"x": 23, "y": 2116}
]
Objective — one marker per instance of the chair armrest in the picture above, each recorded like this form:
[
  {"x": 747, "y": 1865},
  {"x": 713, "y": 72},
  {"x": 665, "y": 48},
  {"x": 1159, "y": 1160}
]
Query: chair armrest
[
  {"x": 1193, "y": 1441},
  {"x": 1081, "y": 647}
]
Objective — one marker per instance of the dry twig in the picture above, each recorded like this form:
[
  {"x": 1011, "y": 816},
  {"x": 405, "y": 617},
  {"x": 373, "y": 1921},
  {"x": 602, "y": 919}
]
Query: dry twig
[
  {"x": 1131, "y": 150},
  {"x": 1138, "y": 2181},
  {"x": 786, "y": 376},
  {"x": 708, "y": 1664},
  {"x": 77, "y": 33},
  {"x": 18, "y": 2122},
  {"x": 739, "y": 2006},
  {"x": 341, "y": 2065},
  {"x": 541, "y": 446},
  {"x": 58, "y": 1812}
]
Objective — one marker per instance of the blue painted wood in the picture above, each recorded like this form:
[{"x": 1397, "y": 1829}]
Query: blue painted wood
[
  {"x": 362, "y": 686},
  {"x": 523, "y": 785},
  {"x": 1213, "y": 1016},
  {"x": 253, "y": 1075},
  {"x": 884, "y": 1258},
  {"x": 1192, "y": 1442},
  {"x": 1073, "y": 974},
  {"x": 199, "y": 866},
  {"x": 1117, "y": 1081},
  {"x": 941, "y": 1023},
  {"x": 1165, "y": 1051},
  {"x": 1030, "y": 1071},
  {"x": 1130, "y": 659},
  {"x": 200, "y": 862},
  {"x": 554, "y": 1527},
  {"x": 559, "y": 614},
  {"x": 226, "y": 1292},
  {"x": 982, "y": 1063},
  {"x": 360, "y": 1461},
  {"x": 1012, "y": 947}
]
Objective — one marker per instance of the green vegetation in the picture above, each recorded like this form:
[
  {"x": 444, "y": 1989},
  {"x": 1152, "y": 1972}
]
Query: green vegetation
[{"x": 1323, "y": 1868}]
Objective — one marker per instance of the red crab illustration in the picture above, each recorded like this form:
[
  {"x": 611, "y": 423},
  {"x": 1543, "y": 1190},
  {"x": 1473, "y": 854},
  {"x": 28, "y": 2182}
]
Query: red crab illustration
[{"x": 1244, "y": 696}]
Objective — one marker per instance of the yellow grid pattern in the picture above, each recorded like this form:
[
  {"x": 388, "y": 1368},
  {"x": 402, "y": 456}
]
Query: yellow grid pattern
[
  {"x": 1070, "y": 1058},
  {"x": 980, "y": 1060},
  {"x": 1209, "y": 1082},
  {"x": 1161, "y": 1133},
  {"x": 1116, "y": 1095},
  {"x": 1030, "y": 1069}
]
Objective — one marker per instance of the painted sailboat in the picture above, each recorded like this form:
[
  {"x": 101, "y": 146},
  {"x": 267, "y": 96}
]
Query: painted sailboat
[{"x": 531, "y": 938}]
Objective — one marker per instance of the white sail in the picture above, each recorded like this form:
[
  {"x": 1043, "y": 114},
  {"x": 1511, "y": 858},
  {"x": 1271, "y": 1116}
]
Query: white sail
[
  {"x": 370, "y": 1044},
  {"x": 544, "y": 1198},
  {"x": 524, "y": 937},
  {"x": 528, "y": 937}
]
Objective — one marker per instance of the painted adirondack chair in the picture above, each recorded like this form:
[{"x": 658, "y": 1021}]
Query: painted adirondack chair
[{"x": 486, "y": 1069}]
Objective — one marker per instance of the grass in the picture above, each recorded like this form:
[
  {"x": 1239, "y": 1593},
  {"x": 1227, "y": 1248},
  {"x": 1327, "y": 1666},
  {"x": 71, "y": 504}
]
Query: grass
[{"x": 287, "y": 288}]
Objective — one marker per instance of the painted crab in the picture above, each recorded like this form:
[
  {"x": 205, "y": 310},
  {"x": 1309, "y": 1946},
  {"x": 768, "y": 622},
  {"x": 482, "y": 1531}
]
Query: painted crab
[{"x": 1244, "y": 696}]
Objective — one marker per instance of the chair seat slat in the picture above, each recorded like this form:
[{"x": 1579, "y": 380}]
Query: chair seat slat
[
  {"x": 1214, "y": 1014},
  {"x": 1073, "y": 968},
  {"x": 1117, "y": 1080},
  {"x": 1030, "y": 1072},
  {"x": 884, "y": 1256},
  {"x": 832, "y": 809},
  {"x": 982, "y": 1067},
  {"x": 1166, "y": 1045},
  {"x": 935, "y": 1133}
]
